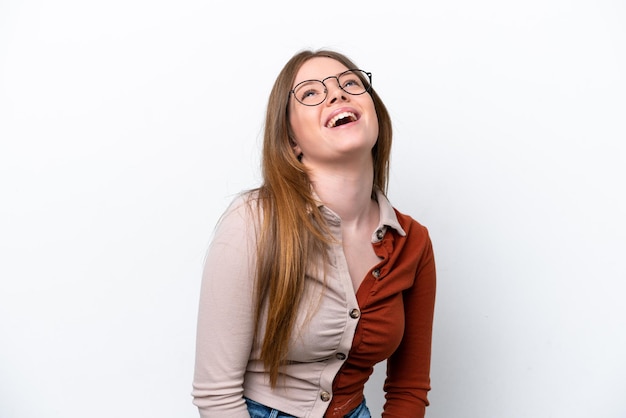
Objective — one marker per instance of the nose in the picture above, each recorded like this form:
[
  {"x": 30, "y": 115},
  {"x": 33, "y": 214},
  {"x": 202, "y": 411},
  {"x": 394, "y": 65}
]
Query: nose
[{"x": 334, "y": 92}]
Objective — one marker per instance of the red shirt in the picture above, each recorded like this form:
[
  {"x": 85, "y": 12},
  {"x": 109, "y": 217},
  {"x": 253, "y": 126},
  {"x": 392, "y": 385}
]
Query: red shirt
[{"x": 397, "y": 304}]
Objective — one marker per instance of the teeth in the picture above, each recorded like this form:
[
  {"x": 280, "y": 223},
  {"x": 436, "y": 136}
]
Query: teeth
[{"x": 331, "y": 123}]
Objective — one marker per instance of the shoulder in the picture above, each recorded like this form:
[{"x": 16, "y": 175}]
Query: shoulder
[
  {"x": 411, "y": 226},
  {"x": 243, "y": 204},
  {"x": 418, "y": 245},
  {"x": 417, "y": 240},
  {"x": 241, "y": 214}
]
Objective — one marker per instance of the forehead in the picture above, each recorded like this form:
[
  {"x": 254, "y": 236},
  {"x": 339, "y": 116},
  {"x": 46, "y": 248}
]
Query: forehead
[{"x": 319, "y": 68}]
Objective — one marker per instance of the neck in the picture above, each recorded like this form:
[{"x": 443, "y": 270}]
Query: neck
[{"x": 347, "y": 191}]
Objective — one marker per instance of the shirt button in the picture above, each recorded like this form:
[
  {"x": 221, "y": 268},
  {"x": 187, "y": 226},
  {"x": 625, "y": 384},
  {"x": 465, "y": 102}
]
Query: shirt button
[
  {"x": 325, "y": 396},
  {"x": 376, "y": 273},
  {"x": 354, "y": 313},
  {"x": 380, "y": 234},
  {"x": 340, "y": 356}
]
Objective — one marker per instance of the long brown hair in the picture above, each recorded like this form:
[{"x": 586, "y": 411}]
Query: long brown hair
[{"x": 292, "y": 230}]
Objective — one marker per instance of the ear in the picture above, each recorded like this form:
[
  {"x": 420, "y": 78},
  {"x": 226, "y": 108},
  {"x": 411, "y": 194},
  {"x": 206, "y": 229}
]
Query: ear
[{"x": 295, "y": 147}]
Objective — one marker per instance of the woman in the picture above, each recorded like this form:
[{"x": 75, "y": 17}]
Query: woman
[{"x": 314, "y": 277}]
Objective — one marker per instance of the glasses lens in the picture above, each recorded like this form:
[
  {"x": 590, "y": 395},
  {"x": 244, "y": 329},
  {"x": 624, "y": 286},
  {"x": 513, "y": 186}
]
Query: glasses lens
[
  {"x": 310, "y": 93},
  {"x": 354, "y": 82}
]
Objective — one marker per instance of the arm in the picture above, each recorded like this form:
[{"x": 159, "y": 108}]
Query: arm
[
  {"x": 408, "y": 369},
  {"x": 225, "y": 318}
]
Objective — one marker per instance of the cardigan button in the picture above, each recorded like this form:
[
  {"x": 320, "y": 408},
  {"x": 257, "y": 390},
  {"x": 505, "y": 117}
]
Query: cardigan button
[
  {"x": 376, "y": 273},
  {"x": 325, "y": 396},
  {"x": 380, "y": 234},
  {"x": 354, "y": 313},
  {"x": 340, "y": 356}
]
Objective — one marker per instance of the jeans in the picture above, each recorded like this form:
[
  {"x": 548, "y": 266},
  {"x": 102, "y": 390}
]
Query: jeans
[
  {"x": 258, "y": 410},
  {"x": 360, "y": 411}
]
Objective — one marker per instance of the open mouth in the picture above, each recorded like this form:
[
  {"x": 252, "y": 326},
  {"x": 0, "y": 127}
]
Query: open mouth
[{"x": 341, "y": 119}]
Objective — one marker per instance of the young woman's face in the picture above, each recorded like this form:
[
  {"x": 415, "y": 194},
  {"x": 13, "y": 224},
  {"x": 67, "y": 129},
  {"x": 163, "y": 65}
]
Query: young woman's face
[{"x": 343, "y": 127}]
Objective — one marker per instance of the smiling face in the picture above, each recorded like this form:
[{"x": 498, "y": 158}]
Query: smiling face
[{"x": 341, "y": 128}]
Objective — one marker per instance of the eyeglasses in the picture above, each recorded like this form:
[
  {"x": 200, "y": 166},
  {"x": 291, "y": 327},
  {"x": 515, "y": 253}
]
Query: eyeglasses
[{"x": 314, "y": 92}]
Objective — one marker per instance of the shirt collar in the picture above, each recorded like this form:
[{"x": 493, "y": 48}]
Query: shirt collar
[
  {"x": 387, "y": 214},
  {"x": 388, "y": 217}
]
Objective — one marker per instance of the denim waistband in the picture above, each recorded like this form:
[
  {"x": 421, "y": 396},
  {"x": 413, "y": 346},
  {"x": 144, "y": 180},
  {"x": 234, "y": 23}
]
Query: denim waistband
[{"x": 257, "y": 410}]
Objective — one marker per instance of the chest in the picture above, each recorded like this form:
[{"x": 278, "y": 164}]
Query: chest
[{"x": 360, "y": 256}]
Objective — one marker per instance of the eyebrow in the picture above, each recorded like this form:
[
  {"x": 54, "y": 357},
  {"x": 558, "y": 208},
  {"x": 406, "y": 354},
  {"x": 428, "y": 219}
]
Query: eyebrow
[{"x": 295, "y": 83}]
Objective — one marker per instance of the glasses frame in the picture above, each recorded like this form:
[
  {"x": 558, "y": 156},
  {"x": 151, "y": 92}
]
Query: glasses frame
[{"x": 336, "y": 77}]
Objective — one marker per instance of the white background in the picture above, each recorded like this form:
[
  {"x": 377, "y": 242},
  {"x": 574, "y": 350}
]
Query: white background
[{"x": 126, "y": 127}]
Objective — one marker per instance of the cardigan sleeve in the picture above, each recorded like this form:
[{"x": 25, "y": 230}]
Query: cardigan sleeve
[
  {"x": 225, "y": 326},
  {"x": 408, "y": 369}
]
